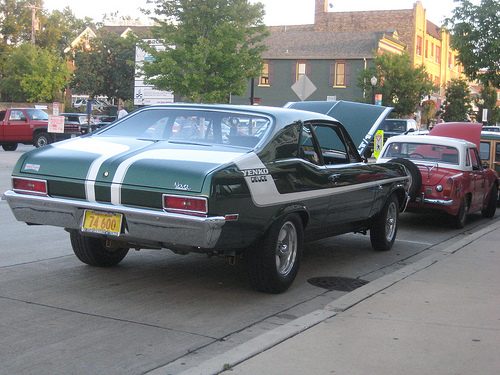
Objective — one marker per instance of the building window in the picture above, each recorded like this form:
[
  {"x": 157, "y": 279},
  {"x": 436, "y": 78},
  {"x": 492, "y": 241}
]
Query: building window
[
  {"x": 438, "y": 55},
  {"x": 450, "y": 60},
  {"x": 426, "y": 49},
  {"x": 432, "y": 50},
  {"x": 419, "y": 45},
  {"x": 437, "y": 81},
  {"x": 340, "y": 74},
  {"x": 264, "y": 75},
  {"x": 301, "y": 70}
]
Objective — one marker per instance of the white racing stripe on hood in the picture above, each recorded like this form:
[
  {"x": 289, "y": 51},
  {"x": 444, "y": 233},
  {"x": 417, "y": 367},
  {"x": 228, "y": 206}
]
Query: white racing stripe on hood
[
  {"x": 94, "y": 146},
  {"x": 182, "y": 156}
]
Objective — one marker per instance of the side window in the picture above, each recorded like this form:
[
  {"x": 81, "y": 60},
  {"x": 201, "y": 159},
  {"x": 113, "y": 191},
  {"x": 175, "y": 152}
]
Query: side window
[
  {"x": 331, "y": 144},
  {"x": 497, "y": 152},
  {"x": 17, "y": 115},
  {"x": 307, "y": 149},
  {"x": 485, "y": 151},
  {"x": 474, "y": 157}
]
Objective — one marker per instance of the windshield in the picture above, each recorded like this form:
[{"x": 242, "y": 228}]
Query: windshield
[
  {"x": 422, "y": 151},
  {"x": 37, "y": 114},
  {"x": 188, "y": 125},
  {"x": 394, "y": 126}
]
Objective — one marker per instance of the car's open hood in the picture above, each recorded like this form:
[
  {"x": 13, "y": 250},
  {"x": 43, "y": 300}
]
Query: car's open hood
[
  {"x": 361, "y": 120},
  {"x": 468, "y": 131}
]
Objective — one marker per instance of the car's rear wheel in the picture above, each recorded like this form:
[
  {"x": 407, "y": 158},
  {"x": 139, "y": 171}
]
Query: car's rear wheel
[
  {"x": 415, "y": 176},
  {"x": 461, "y": 217},
  {"x": 384, "y": 225},
  {"x": 273, "y": 265},
  {"x": 94, "y": 252},
  {"x": 41, "y": 139},
  {"x": 9, "y": 146},
  {"x": 491, "y": 207}
]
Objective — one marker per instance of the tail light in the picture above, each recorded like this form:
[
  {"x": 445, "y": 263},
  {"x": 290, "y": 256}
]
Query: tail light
[
  {"x": 185, "y": 205},
  {"x": 448, "y": 188},
  {"x": 29, "y": 186}
]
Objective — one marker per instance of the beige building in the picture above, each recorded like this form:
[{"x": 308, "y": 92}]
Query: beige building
[{"x": 427, "y": 43}]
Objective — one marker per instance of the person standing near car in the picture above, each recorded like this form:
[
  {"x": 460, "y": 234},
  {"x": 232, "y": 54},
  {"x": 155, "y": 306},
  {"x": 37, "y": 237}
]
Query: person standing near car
[{"x": 121, "y": 111}]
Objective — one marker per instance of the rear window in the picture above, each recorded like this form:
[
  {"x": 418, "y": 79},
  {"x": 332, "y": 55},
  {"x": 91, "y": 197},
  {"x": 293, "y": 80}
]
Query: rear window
[
  {"x": 422, "y": 152},
  {"x": 188, "y": 125}
]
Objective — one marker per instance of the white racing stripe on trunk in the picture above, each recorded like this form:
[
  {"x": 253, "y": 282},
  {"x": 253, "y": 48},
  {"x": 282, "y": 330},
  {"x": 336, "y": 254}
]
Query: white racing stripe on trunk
[
  {"x": 102, "y": 148},
  {"x": 182, "y": 156}
]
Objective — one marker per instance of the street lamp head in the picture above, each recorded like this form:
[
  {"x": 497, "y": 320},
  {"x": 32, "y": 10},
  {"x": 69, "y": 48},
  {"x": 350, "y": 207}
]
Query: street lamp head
[{"x": 374, "y": 81}]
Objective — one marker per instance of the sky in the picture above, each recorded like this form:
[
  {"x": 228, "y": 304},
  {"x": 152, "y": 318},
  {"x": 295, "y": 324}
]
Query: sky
[{"x": 278, "y": 12}]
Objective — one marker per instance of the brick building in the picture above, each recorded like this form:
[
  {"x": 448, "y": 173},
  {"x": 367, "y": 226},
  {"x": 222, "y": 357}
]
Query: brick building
[{"x": 349, "y": 38}]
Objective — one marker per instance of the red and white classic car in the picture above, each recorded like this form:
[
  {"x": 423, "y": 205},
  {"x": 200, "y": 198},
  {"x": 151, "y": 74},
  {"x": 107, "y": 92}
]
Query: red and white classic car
[{"x": 447, "y": 173}]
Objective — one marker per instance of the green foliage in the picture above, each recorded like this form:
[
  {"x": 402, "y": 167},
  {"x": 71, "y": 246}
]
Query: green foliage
[
  {"x": 107, "y": 67},
  {"x": 488, "y": 100},
  {"x": 475, "y": 34},
  {"x": 33, "y": 74},
  {"x": 457, "y": 106},
  {"x": 58, "y": 29},
  {"x": 212, "y": 48},
  {"x": 16, "y": 20},
  {"x": 402, "y": 85}
]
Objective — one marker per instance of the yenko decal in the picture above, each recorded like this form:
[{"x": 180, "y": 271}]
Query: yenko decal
[
  {"x": 265, "y": 193},
  {"x": 256, "y": 174}
]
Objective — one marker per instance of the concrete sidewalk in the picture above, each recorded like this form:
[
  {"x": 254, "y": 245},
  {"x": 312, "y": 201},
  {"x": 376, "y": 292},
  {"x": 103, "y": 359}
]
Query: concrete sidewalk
[{"x": 440, "y": 315}]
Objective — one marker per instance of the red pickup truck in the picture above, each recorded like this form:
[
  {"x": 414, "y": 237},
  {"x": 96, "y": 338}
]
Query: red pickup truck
[{"x": 29, "y": 126}]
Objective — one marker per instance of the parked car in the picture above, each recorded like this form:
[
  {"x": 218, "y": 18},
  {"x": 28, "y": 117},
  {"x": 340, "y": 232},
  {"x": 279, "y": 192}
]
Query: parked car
[
  {"x": 490, "y": 152},
  {"x": 491, "y": 128},
  {"x": 277, "y": 178},
  {"x": 447, "y": 173},
  {"x": 96, "y": 104},
  {"x": 102, "y": 120},
  {"x": 78, "y": 119}
]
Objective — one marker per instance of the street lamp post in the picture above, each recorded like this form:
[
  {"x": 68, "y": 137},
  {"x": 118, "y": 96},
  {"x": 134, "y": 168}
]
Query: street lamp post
[{"x": 374, "y": 83}]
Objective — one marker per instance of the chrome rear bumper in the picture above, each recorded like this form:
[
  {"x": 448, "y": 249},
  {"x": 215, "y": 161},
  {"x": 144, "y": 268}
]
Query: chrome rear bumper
[{"x": 141, "y": 226}]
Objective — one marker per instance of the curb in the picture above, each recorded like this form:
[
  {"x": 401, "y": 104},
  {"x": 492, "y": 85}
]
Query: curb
[{"x": 272, "y": 338}]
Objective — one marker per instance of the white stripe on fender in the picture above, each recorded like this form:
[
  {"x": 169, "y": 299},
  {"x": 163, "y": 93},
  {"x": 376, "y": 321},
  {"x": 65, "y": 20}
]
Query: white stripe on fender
[{"x": 265, "y": 193}]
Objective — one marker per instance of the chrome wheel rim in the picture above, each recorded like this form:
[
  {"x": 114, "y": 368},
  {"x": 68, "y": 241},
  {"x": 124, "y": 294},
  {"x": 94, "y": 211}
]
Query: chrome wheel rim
[
  {"x": 391, "y": 221},
  {"x": 286, "y": 248}
]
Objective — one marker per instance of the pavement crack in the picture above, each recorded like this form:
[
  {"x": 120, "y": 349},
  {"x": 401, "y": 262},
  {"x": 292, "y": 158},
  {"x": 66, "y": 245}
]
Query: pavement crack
[{"x": 106, "y": 317}]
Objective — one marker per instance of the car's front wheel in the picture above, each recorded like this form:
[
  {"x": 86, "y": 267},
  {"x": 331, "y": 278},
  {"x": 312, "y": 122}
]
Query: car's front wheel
[
  {"x": 273, "y": 265},
  {"x": 384, "y": 225},
  {"x": 94, "y": 252}
]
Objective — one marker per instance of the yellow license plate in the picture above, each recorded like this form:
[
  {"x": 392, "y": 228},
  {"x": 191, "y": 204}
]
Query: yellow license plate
[{"x": 102, "y": 223}]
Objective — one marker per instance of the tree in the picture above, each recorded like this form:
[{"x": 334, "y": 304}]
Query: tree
[
  {"x": 457, "y": 106},
  {"x": 33, "y": 74},
  {"x": 475, "y": 34},
  {"x": 402, "y": 85},
  {"x": 212, "y": 48},
  {"x": 488, "y": 100},
  {"x": 59, "y": 28},
  {"x": 16, "y": 20},
  {"x": 107, "y": 67}
]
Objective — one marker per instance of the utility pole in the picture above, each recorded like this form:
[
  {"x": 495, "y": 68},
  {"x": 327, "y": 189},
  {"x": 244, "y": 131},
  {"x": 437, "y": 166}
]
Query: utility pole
[{"x": 33, "y": 22}]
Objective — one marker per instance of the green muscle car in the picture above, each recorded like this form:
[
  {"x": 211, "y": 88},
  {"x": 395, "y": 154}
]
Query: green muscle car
[{"x": 235, "y": 181}]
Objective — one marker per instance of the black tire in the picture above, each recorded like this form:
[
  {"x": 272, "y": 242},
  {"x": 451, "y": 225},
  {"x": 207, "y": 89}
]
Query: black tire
[
  {"x": 461, "y": 217},
  {"x": 93, "y": 251},
  {"x": 273, "y": 265},
  {"x": 384, "y": 225},
  {"x": 9, "y": 146},
  {"x": 491, "y": 207},
  {"x": 415, "y": 176},
  {"x": 41, "y": 139}
]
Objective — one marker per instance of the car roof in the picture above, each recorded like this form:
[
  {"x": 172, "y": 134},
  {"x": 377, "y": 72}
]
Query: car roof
[
  {"x": 490, "y": 135},
  {"x": 469, "y": 131}
]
